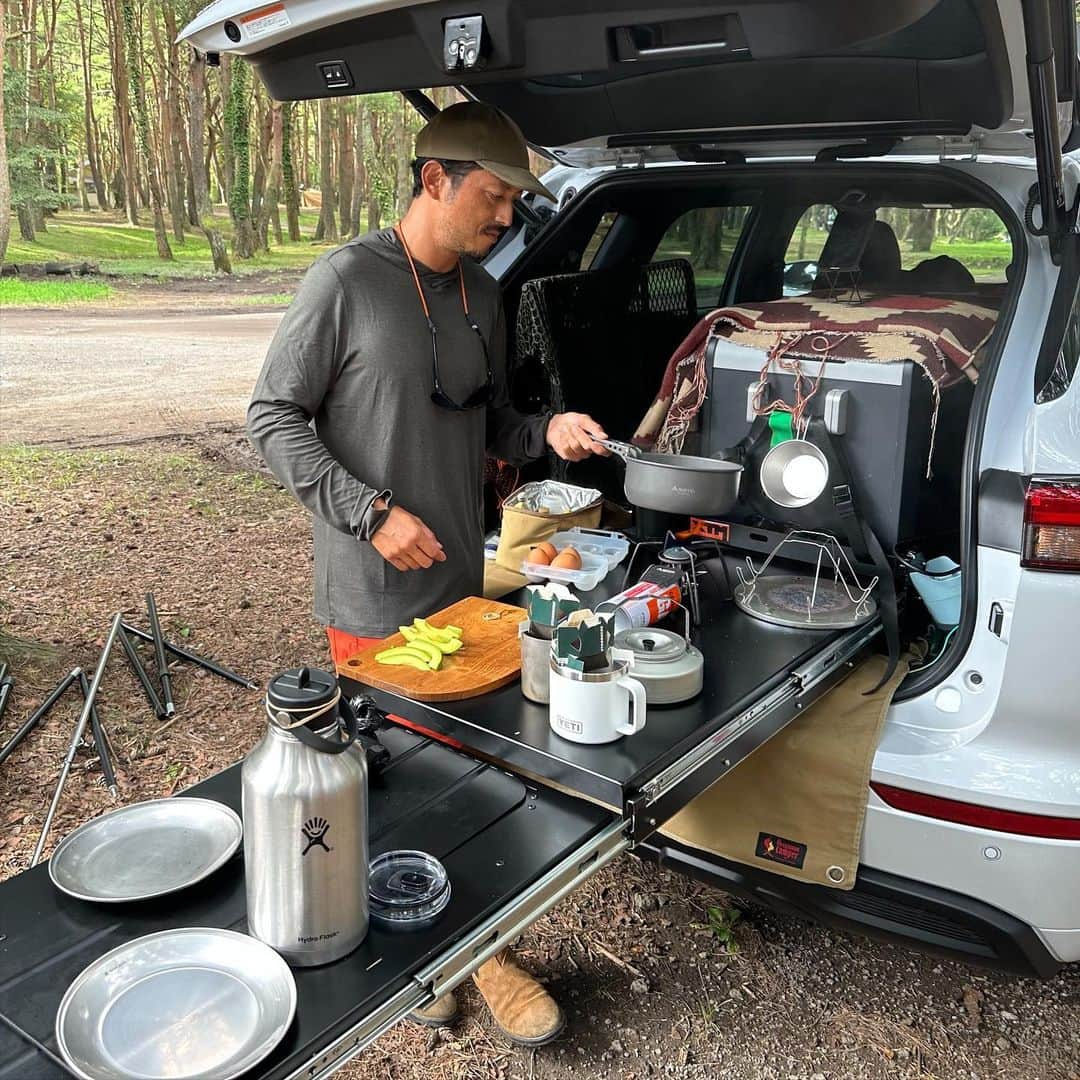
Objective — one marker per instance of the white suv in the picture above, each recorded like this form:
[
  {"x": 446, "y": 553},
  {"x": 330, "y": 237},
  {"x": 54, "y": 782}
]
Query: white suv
[{"x": 764, "y": 111}]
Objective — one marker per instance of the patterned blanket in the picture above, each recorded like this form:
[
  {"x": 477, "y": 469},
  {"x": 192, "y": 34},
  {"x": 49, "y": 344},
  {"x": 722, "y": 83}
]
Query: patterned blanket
[{"x": 943, "y": 336}]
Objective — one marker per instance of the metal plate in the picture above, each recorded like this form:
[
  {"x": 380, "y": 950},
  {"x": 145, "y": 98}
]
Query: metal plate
[
  {"x": 144, "y": 850},
  {"x": 197, "y": 1002},
  {"x": 793, "y": 600}
]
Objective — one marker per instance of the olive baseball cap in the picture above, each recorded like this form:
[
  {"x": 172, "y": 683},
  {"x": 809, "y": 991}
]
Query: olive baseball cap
[{"x": 473, "y": 131}]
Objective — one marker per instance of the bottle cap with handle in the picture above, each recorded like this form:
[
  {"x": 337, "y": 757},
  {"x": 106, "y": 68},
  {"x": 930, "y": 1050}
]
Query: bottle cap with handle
[{"x": 305, "y": 702}]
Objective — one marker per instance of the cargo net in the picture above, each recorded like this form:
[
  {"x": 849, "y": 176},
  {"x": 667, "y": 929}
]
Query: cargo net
[{"x": 578, "y": 336}]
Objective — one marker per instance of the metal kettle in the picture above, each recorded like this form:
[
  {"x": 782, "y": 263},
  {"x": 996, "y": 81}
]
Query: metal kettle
[{"x": 306, "y": 822}]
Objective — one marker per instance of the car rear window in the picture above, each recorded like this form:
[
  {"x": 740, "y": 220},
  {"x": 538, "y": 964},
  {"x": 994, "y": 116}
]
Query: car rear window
[
  {"x": 706, "y": 237},
  {"x": 973, "y": 237}
]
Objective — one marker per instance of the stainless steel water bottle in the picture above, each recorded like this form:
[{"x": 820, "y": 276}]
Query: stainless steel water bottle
[{"x": 305, "y": 823}]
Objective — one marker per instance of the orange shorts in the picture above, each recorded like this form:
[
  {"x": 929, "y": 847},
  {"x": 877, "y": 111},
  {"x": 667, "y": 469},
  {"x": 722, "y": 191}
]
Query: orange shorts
[{"x": 343, "y": 645}]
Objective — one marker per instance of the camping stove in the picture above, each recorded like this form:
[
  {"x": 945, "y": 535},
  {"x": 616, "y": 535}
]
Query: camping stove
[{"x": 674, "y": 561}]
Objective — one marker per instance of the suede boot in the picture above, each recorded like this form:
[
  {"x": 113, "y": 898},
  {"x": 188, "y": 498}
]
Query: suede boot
[
  {"x": 442, "y": 1012},
  {"x": 524, "y": 1011}
]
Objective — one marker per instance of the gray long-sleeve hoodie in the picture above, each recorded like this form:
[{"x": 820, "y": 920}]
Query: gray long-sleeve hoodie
[{"x": 342, "y": 413}]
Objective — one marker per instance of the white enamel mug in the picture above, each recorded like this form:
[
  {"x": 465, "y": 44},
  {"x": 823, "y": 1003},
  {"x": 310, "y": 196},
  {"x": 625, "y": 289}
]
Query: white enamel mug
[{"x": 596, "y": 706}]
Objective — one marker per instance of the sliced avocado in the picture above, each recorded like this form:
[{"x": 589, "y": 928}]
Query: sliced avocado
[{"x": 404, "y": 660}]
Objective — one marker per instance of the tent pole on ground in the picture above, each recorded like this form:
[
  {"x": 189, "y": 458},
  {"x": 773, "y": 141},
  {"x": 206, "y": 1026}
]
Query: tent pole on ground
[
  {"x": 80, "y": 731},
  {"x": 39, "y": 713}
]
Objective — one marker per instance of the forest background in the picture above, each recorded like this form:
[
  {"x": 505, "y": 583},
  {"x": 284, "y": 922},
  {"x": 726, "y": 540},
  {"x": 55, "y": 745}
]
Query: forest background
[{"x": 128, "y": 154}]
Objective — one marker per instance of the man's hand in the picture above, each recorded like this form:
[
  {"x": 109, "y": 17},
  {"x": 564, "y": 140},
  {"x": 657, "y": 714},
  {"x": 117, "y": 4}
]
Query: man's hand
[
  {"x": 405, "y": 542},
  {"x": 573, "y": 435}
]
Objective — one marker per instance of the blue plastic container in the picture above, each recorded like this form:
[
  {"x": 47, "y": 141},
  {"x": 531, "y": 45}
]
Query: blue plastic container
[{"x": 941, "y": 595}]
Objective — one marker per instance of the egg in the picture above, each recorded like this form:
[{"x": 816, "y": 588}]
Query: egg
[
  {"x": 539, "y": 555},
  {"x": 544, "y": 552},
  {"x": 567, "y": 559}
]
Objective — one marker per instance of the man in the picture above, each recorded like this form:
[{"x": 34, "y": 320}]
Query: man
[{"x": 395, "y": 346}]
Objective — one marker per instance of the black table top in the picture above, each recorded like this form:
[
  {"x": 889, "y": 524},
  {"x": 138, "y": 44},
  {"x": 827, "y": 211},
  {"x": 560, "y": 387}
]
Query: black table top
[
  {"x": 494, "y": 835},
  {"x": 745, "y": 659}
]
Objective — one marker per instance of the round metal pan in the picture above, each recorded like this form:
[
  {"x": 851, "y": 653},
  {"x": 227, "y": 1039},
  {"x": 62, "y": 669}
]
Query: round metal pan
[
  {"x": 678, "y": 483},
  {"x": 197, "y": 1002},
  {"x": 145, "y": 850}
]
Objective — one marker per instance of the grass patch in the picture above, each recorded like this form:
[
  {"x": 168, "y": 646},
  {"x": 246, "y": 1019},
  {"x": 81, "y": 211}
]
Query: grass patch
[
  {"x": 265, "y": 299},
  {"x": 138, "y": 483},
  {"x": 24, "y": 469},
  {"x": 15, "y": 292},
  {"x": 118, "y": 248}
]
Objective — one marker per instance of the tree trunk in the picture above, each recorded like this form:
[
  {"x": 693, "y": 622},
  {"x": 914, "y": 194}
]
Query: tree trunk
[
  {"x": 175, "y": 122},
  {"x": 138, "y": 93},
  {"x": 189, "y": 194},
  {"x": 710, "y": 237},
  {"x": 80, "y": 185},
  {"x": 305, "y": 170},
  {"x": 327, "y": 229},
  {"x": 345, "y": 172},
  {"x": 273, "y": 181},
  {"x": 264, "y": 123},
  {"x": 26, "y": 222},
  {"x": 402, "y": 157},
  {"x": 374, "y": 219},
  {"x": 5, "y": 180},
  {"x": 199, "y": 178},
  {"x": 122, "y": 110},
  {"x": 923, "y": 227},
  {"x": 88, "y": 110},
  {"x": 359, "y": 169},
  {"x": 237, "y": 122},
  {"x": 226, "y": 162},
  {"x": 288, "y": 176}
]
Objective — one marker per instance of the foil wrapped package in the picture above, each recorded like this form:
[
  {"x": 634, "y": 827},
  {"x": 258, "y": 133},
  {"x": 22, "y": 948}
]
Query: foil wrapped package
[{"x": 552, "y": 497}]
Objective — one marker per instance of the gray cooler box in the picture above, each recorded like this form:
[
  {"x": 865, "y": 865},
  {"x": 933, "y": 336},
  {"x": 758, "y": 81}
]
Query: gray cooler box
[{"x": 882, "y": 415}]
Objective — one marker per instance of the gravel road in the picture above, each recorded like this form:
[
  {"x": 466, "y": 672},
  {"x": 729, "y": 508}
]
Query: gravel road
[{"x": 85, "y": 379}]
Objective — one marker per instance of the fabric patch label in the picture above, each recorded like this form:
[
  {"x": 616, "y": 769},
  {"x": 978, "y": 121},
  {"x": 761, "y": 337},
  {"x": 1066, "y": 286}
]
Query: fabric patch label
[
  {"x": 265, "y": 21},
  {"x": 777, "y": 849}
]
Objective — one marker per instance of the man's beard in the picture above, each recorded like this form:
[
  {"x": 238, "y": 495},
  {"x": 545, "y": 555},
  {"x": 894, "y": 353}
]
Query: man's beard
[{"x": 470, "y": 243}]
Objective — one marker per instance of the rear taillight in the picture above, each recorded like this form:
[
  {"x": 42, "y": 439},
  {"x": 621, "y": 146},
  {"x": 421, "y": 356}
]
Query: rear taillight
[
  {"x": 978, "y": 817},
  {"x": 1052, "y": 525}
]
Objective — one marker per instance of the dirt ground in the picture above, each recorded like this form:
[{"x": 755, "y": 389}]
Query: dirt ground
[{"x": 650, "y": 990}]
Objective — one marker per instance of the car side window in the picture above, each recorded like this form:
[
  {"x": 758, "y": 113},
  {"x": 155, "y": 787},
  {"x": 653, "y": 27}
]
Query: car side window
[
  {"x": 954, "y": 238},
  {"x": 603, "y": 227},
  {"x": 706, "y": 238}
]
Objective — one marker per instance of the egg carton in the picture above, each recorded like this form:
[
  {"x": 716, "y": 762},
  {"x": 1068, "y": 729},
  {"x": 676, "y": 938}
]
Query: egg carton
[
  {"x": 612, "y": 546},
  {"x": 594, "y": 568}
]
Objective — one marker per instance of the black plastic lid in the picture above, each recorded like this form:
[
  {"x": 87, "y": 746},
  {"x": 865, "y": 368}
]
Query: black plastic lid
[{"x": 301, "y": 688}]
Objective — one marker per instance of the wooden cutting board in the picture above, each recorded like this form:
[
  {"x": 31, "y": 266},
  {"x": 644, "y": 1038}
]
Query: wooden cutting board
[{"x": 489, "y": 658}]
